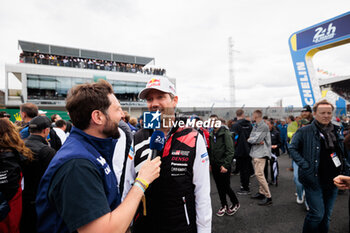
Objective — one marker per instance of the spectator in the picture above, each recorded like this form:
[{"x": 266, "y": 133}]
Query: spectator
[
  {"x": 55, "y": 117},
  {"x": 126, "y": 119},
  {"x": 133, "y": 122},
  {"x": 260, "y": 140},
  {"x": 318, "y": 151},
  {"x": 221, "y": 154},
  {"x": 283, "y": 133},
  {"x": 12, "y": 152},
  {"x": 76, "y": 62},
  {"x": 292, "y": 127},
  {"x": 39, "y": 128},
  {"x": 60, "y": 128},
  {"x": 275, "y": 150},
  {"x": 204, "y": 132},
  {"x": 5, "y": 115},
  {"x": 306, "y": 113},
  {"x": 241, "y": 131},
  {"x": 140, "y": 122},
  {"x": 28, "y": 111}
]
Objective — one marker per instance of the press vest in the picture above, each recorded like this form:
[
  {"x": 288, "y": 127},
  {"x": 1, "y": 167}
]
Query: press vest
[{"x": 78, "y": 145}]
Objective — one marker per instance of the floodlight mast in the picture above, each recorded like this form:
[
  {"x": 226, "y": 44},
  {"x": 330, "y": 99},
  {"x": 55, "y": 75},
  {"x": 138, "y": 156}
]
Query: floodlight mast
[{"x": 232, "y": 83}]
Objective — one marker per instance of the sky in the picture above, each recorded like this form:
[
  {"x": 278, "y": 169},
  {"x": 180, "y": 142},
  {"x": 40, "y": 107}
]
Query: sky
[{"x": 187, "y": 38}]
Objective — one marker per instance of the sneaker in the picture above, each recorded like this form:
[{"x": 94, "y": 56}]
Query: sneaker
[
  {"x": 232, "y": 209},
  {"x": 243, "y": 192},
  {"x": 266, "y": 201},
  {"x": 221, "y": 211},
  {"x": 300, "y": 201},
  {"x": 258, "y": 196}
]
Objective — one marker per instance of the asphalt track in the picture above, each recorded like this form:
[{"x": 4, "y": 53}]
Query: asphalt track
[{"x": 283, "y": 216}]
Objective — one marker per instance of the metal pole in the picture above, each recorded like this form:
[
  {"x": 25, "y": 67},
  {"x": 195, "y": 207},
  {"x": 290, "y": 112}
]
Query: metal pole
[{"x": 231, "y": 73}]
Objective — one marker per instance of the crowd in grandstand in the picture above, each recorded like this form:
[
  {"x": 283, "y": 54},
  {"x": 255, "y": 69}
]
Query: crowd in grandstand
[
  {"x": 342, "y": 91},
  {"x": 86, "y": 63}
]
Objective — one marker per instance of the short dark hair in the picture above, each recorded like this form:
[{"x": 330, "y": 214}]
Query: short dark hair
[
  {"x": 222, "y": 120},
  {"x": 213, "y": 115},
  {"x": 60, "y": 123},
  {"x": 85, "y": 98},
  {"x": 239, "y": 112},
  {"x": 291, "y": 117},
  {"x": 30, "y": 109},
  {"x": 126, "y": 116},
  {"x": 258, "y": 112},
  {"x": 53, "y": 117},
  {"x": 315, "y": 107},
  {"x": 4, "y": 114}
]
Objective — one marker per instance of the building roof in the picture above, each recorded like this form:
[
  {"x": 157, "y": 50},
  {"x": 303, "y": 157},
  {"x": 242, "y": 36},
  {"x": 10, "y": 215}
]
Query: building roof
[
  {"x": 34, "y": 47},
  {"x": 337, "y": 79}
]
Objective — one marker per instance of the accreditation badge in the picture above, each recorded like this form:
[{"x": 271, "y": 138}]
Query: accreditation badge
[{"x": 335, "y": 159}]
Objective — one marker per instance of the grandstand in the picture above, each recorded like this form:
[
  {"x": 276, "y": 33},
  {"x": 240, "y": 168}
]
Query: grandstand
[
  {"x": 339, "y": 85},
  {"x": 47, "y": 72}
]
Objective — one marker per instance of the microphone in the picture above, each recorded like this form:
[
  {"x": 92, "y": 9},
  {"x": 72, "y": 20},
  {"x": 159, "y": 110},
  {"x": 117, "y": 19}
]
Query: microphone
[{"x": 156, "y": 143}]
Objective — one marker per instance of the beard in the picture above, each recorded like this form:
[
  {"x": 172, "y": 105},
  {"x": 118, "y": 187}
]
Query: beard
[{"x": 111, "y": 129}]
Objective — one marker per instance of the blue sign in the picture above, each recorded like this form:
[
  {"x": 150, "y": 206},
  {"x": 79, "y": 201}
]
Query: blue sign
[
  {"x": 306, "y": 43},
  {"x": 151, "y": 120},
  {"x": 324, "y": 32}
]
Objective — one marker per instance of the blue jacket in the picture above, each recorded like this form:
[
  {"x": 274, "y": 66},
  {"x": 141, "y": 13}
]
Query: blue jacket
[
  {"x": 305, "y": 151},
  {"x": 283, "y": 131},
  {"x": 24, "y": 132},
  {"x": 78, "y": 145}
]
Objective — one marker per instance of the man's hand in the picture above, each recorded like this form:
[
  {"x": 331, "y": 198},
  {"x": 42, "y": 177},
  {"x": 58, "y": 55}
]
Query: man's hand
[
  {"x": 150, "y": 170},
  {"x": 342, "y": 182},
  {"x": 223, "y": 170},
  {"x": 261, "y": 143},
  {"x": 274, "y": 146}
]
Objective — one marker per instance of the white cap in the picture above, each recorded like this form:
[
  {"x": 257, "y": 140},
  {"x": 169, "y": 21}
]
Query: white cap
[
  {"x": 160, "y": 83},
  {"x": 42, "y": 112}
]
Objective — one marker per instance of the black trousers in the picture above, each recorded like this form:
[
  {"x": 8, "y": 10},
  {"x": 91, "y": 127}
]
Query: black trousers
[
  {"x": 269, "y": 163},
  {"x": 222, "y": 181},
  {"x": 29, "y": 217},
  {"x": 246, "y": 169}
]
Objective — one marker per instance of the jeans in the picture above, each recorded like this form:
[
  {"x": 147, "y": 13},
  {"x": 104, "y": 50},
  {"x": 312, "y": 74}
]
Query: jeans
[
  {"x": 299, "y": 186},
  {"x": 284, "y": 146},
  {"x": 222, "y": 181},
  {"x": 321, "y": 202}
]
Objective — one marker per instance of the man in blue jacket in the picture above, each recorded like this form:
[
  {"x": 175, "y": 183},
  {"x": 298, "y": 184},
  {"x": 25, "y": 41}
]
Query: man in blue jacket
[
  {"x": 79, "y": 190},
  {"x": 283, "y": 133},
  {"x": 318, "y": 150}
]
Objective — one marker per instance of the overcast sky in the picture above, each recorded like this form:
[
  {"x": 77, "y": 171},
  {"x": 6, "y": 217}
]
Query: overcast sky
[{"x": 188, "y": 38}]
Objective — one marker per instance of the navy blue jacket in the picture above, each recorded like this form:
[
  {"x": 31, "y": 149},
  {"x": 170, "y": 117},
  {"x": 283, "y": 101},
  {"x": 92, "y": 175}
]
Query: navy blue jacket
[
  {"x": 78, "y": 145},
  {"x": 305, "y": 151}
]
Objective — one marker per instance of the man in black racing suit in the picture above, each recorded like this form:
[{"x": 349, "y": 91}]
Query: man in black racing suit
[{"x": 179, "y": 200}]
